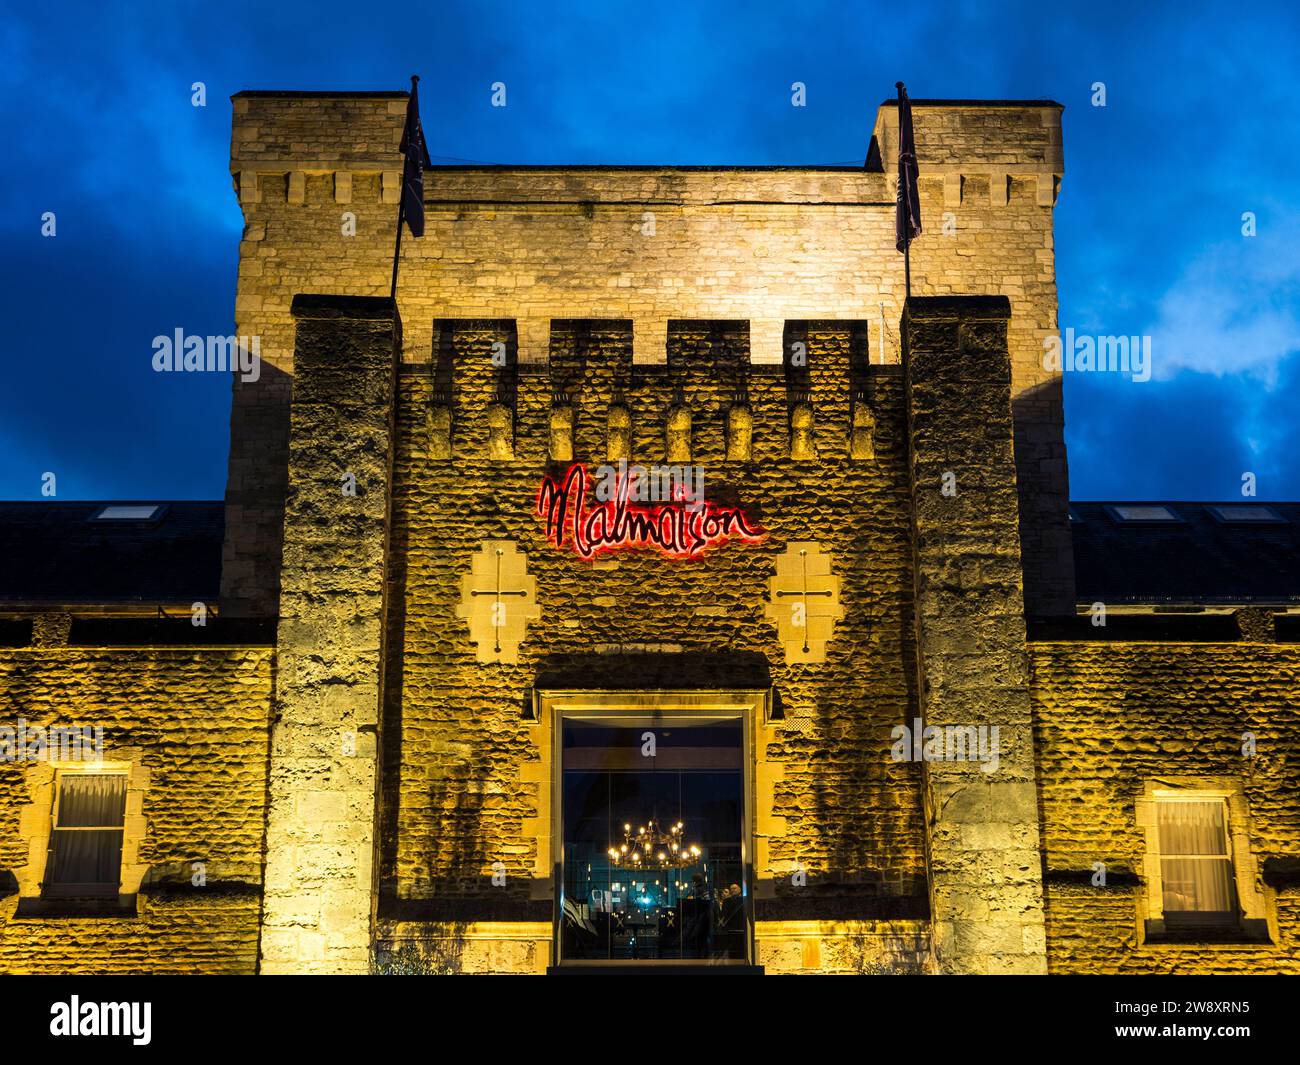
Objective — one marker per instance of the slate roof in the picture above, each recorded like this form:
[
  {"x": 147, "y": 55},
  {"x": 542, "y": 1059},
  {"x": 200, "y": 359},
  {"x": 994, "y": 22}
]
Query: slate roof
[
  {"x": 1197, "y": 559},
  {"x": 56, "y": 552}
]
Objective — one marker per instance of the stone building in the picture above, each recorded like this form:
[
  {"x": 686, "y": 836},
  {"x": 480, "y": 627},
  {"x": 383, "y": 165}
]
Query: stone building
[{"x": 649, "y": 584}]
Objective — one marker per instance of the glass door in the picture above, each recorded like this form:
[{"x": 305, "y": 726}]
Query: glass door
[{"x": 653, "y": 855}]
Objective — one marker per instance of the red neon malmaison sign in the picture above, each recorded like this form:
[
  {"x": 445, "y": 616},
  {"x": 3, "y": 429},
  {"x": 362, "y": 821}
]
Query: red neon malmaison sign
[{"x": 676, "y": 529}]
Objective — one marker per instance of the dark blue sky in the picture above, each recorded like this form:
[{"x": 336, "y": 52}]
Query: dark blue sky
[{"x": 1199, "y": 127}]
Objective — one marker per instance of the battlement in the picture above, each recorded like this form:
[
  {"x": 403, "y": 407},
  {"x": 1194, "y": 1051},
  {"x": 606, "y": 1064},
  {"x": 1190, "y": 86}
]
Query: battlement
[
  {"x": 708, "y": 403},
  {"x": 283, "y": 137},
  {"x": 533, "y": 247}
]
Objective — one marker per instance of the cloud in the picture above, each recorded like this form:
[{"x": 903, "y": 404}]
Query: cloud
[
  {"x": 1190, "y": 436},
  {"x": 101, "y": 131},
  {"x": 1234, "y": 310}
]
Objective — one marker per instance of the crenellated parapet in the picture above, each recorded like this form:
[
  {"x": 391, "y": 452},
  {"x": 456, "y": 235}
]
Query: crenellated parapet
[
  {"x": 984, "y": 146},
  {"x": 317, "y": 177},
  {"x": 592, "y": 402}
]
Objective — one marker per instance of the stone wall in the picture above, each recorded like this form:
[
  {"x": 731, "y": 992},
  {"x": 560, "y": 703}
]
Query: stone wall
[
  {"x": 467, "y": 776},
  {"x": 986, "y": 889},
  {"x": 325, "y": 742},
  {"x": 764, "y": 246},
  {"x": 1111, "y": 717},
  {"x": 192, "y": 723}
]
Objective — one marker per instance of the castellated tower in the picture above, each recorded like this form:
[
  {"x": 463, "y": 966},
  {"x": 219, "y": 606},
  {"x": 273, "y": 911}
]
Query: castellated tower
[
  {"x": 390, "y": 474},
  {"x": 318, "y": 174},
  {"x": 797, "y": 704}
]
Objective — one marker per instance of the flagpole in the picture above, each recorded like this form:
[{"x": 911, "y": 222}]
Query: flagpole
[
  {"x": 397, "y": 247},
  {"x": 907, "y": 243},
  {"x": 907, "y": 280},
  {"x": 905, "y": 140}
]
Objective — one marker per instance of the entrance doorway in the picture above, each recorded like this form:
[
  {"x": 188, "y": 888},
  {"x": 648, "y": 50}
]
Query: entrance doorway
[{"x": 652, "y": 838}]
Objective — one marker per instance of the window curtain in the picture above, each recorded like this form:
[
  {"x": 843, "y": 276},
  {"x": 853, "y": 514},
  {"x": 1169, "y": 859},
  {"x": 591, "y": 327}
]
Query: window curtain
[
  {"x": 1195, "y": 867},
  {"x": 86, "y": 844}
]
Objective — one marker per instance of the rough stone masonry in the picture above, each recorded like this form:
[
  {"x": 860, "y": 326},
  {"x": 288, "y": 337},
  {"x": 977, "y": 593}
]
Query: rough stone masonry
[
  {"x": 385, "y": 771},
  {"x": 534, "y": 245}
]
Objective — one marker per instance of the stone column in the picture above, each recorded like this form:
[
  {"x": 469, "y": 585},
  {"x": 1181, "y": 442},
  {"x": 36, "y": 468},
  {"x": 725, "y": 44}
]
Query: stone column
[
  {"x": 324, "y": 758},
  {"x": 983, "y": 834}
]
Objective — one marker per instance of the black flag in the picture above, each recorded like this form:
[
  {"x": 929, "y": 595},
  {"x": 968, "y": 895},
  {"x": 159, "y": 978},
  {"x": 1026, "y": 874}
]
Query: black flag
[
  {"x": 907, "y": 217},
  {"x": 416, "y": 155}
]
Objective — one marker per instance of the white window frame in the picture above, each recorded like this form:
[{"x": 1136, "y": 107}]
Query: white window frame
[
  {"x": 1256, "y": 907},
  {"x": 89, "y": 890},
  {"x": 1165, "y": 800}
]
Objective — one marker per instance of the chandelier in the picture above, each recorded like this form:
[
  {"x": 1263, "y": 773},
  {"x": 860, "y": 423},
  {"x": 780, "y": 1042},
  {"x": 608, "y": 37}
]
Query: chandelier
[{"x": 650, "y": 847}]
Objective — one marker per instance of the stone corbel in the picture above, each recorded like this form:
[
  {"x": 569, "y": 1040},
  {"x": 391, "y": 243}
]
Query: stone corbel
[
  {"x": 391, "y": 186},
  {"x": 740, "y": 432},
  {"x": 501, "y": 431},
  {"x": 801, "y": 432},
  {"x": 438, "y": 430},
  {"x": 561, "y": 431},
  {"x": 677, "y": 433},
  {"x": 619, "y": 445},
  {"x": 952, "y": 189},
  {"x": 343, "y": 186},
  {"x": 862, "y": 432},
  {"x": 249, "y": 189}
]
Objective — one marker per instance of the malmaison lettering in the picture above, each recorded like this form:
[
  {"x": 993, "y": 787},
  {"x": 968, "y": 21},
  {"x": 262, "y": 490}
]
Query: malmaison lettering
[{"x": 679, "y": 529}]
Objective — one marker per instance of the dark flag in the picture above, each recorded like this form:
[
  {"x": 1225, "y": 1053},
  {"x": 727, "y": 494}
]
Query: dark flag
[
  {"x": 416, "y": 154},
  {"x": 907, "y": 217}
]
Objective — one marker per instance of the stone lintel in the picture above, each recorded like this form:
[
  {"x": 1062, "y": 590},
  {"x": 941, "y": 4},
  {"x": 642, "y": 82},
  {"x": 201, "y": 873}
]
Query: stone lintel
[{"x": 359, "y": 308}]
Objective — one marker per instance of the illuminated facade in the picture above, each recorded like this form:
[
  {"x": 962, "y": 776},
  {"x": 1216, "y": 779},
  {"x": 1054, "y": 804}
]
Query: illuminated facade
[{"x": 651, "y": 585}]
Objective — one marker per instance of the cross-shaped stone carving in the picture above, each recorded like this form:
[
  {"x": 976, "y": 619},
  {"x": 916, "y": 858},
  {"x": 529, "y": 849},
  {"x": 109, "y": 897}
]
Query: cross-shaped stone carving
[
  {"x": 805, "y": 601},
  {"x": 498, "y": 598}
]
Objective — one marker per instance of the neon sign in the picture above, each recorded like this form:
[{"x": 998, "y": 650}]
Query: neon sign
[{"x": 681, "y": 529}]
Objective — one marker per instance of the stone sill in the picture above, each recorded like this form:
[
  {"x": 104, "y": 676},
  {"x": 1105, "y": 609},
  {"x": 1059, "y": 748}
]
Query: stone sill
[
  {"x": 1252, "y": 933},
  {"x": 122, "y": 907}
]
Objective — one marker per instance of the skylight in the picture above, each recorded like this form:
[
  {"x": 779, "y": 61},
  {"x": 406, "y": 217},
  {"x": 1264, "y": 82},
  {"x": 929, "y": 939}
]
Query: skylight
[
  {"x": 1246, "y": 512},
  {"x": 1142, "y": 512},
  {"x": 127, "y": 512}
]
